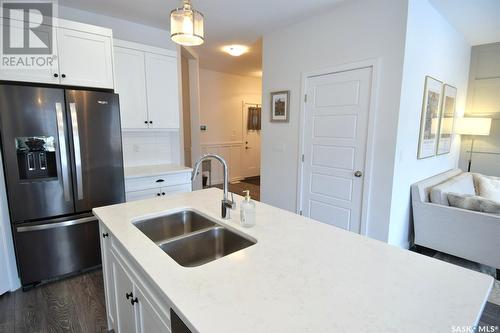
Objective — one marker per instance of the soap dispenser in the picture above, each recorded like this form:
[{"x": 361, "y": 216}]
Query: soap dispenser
[{"x": 247, "y": 211}]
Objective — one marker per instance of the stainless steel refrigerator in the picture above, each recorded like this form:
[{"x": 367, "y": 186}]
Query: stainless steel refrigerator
[{"x": 62, "y": 156}]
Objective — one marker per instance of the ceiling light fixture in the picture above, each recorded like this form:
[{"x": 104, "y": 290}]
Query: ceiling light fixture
[
  {"x": 186, "y": 25},
  {"x": 235, "y": 50}
]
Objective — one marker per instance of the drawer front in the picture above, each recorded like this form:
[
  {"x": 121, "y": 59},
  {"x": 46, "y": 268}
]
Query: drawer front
[
  {"x": 143, "y": 194},
  {"x": 137, "y": 184},
  {"x": 157, "y": 192},
  {"x": 169, "y": 190}
]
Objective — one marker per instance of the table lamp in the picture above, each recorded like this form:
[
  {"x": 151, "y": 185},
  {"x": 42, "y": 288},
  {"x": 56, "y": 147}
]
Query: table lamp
[{"x": 473, "y": 127}]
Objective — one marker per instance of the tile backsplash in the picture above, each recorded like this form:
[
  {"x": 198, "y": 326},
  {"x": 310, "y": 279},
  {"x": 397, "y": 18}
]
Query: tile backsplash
[{"x": 150, "y": 148}]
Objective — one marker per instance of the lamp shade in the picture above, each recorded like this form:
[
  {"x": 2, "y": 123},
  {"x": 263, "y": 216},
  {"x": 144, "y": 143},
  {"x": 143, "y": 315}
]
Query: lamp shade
[
  {"x": 473, "y": 126},
  {"x": 186, "y": 25}
]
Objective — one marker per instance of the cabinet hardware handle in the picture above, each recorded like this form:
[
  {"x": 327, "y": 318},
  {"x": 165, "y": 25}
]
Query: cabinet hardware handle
[
  {"x": 63, "y": 75},
  {"x": 134, "y": 300},
  {"x": 128, "y": 295},
  {"x": 104, "y": 235},
  {"x": 145, "y": 121},
  {"x": 358, "y": 174},
  {"x": 158, "y": 194},
  {"x": 150, "y": 121},
  {"x": 56, "y": 75},
  {"x": 162, "y": 193},
  {"x": 160, "y": 180}
]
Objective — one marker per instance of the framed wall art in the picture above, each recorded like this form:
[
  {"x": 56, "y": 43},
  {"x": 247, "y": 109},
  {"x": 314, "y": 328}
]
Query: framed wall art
[
  {"x": 280, "y": 106},
  {"x": 429, "y": 122},
  {"x": 446, "y": 124}
]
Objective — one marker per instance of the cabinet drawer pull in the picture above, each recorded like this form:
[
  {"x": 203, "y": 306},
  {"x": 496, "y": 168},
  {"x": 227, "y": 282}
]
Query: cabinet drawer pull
[
  {"x": 56, "y": 75},
  {"x": 162, "y": 193},
  {"x": 134, "y": 300},
  {"x": 128, "y": 295},
  {"x": 158, "y": 194},
  {"x": 104, "y": 235},
  {"x": 160, "y": 180}
]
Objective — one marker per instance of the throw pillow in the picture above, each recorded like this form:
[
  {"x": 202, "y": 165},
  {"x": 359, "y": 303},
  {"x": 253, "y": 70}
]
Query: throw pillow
[
  {"x": 489, "y": 188},
  {"x": 464, "y": 201},
  {"x": 474, "y": 202}
]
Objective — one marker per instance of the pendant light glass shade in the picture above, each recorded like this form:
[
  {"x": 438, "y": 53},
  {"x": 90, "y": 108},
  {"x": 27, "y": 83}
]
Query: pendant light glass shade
[{"x": 186, "y": 25}]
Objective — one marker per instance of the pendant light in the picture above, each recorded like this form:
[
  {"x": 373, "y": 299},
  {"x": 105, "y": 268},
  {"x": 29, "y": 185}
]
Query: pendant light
[{"x": 186, "y": 25}]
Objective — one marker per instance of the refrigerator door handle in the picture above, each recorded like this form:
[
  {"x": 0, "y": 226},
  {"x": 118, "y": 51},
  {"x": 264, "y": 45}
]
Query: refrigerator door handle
[
  {"x": 56, "y": 225},
  {"x": 78, "y": 157},
  {"x": 62, "y": 150}
]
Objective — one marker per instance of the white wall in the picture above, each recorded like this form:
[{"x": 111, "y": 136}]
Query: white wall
[
  {"x": 221, "y": 97},
  {"x": 353, "y": 31},
  {"x": 434, "y": 48},
  {"x": 122, "y": 29}
]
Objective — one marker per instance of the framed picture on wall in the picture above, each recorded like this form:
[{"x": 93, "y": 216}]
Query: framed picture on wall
[
  {"x": 280, "y": 106},
  {"x": 429, "y": 122},
  {"x": 447, "y": 121}
]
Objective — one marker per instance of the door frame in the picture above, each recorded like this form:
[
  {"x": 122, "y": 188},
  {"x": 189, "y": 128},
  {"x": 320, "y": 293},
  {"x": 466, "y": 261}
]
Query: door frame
[{"x": 374, "y": 64}]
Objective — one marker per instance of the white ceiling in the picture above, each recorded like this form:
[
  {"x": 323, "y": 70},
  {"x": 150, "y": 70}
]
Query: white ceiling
[
  {"x": 226, "y": 22},
  {"x": 477, "y": 20}
]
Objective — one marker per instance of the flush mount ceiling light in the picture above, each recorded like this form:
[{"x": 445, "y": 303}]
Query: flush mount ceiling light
[
  {"x": 186, "y": 25},
  {"x": 235, "y": 50}
]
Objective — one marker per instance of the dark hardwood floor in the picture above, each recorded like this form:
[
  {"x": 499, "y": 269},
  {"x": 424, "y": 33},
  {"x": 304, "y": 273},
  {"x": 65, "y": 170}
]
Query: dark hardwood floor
[
  {"x": 251, "y": 185},
  {"x": 74, "y": 304}
]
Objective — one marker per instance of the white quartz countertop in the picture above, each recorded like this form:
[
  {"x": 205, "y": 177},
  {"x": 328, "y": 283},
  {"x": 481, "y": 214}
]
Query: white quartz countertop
[
  {"x": 301, "y": 276},
  {"x": 154, "y": 170}
]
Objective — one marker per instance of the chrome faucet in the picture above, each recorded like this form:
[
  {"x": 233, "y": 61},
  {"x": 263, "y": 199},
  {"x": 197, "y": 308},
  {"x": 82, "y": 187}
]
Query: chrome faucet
[{"x": 226, "y": 203}]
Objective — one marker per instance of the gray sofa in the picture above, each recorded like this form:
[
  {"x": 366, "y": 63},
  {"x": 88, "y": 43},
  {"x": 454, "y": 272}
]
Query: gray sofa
[{"x": 463, "y": 233}]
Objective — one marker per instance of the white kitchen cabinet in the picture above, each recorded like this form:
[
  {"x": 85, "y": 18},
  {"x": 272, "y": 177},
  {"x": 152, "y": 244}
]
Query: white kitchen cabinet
[
  {"x": 132, "y": 304},
  {"x": 107, "y": 272},
  {"x": 129, "y": 64},
  {"x": 146, "y": 79},
  {"x": 85, "y": 59},
  {"x": 148, "y": 319},
  {"x": 162, "y": 91},
  {"x": 124, "y": 295}
]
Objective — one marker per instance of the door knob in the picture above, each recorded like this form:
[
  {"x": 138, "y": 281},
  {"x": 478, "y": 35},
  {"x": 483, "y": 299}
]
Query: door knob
[{"x": 358, "y": 174}]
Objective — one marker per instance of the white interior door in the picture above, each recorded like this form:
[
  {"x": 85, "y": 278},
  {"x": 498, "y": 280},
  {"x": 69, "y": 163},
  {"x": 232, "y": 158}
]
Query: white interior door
[
  {"x": 335, "y": 133},
  {"x": 251, "y": 147}
]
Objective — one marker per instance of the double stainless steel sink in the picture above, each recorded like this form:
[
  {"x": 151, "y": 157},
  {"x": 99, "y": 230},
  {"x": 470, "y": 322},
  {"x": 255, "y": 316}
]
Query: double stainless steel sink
[{"x": 190, "y": 238}]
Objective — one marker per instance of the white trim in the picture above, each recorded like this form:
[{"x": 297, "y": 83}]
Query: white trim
[
  {"x": 375, "y": 64},
  {"x": 145, "y": 48}
]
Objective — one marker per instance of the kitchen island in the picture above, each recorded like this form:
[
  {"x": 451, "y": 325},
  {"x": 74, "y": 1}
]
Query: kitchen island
[{"x": 300, "y": 276}]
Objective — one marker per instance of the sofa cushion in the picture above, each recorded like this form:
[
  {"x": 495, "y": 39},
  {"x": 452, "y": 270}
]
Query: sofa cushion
[
  {"x": 489, "y": 187},
  {"x": 474, "y": 202},
  {"x": 461, "y": 184}
]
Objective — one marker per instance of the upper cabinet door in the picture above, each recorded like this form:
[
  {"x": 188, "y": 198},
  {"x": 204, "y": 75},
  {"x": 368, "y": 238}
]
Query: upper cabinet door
[
  {"x": 47, "y": 73},
  {"x": 162, "y": 91},
  {"x": 131, "y": 87},
  {"x": 85, "y": 59}
]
